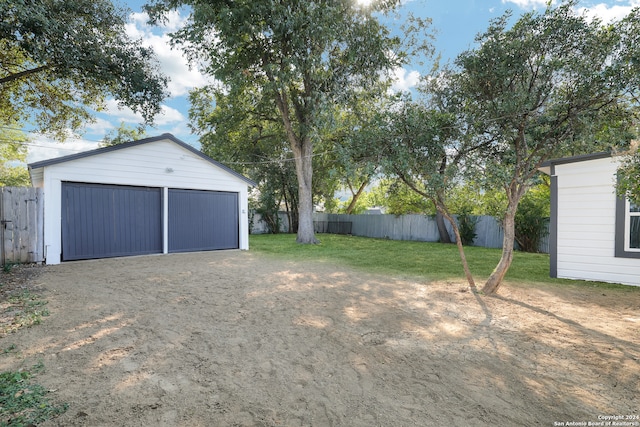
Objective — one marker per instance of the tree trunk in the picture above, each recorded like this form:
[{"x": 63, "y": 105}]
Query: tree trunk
[
  {"x": 441, "y": 208},
  {"x": 442, "y": 228},
  {"x": 294, "y": 210},
  {"x": 463, "y": 257},
  {"x": 356, "y": 196},
  {"x": 287, "y": 208},
  {"x": 302, "y": 148},
  {"x": 303, "y": 153},
  {"x": 508, "y": 225}
]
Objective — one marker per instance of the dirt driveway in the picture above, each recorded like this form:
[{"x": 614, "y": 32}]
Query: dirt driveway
[{"x": 238, "y": 339}]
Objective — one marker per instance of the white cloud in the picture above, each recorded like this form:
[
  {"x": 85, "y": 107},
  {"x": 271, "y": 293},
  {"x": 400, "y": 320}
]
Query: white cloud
[
  {"x": 608, "y": 13},
  {"x": 43, "y": 148},
  {"x": 167, "y": 115},
  {"x": 174, "y": 21},
  {"x": 527, "y": 4},
  {"x": 404, "y": 80},
  {"x": 121, "y": 114},
  {"x": 99, "y": 126},
  {"x": 172, "y": 63}
]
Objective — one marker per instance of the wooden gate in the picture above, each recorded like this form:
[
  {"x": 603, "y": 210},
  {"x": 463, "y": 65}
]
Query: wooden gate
[{"x": 21, "y": 225}]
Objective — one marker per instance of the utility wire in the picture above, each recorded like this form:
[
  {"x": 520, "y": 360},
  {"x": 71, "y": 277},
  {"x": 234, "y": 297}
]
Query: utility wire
[
  {"x": 31, "y": 144},
  {"x": 263, "y": 162},
  {"x": 290, "y": 159}
]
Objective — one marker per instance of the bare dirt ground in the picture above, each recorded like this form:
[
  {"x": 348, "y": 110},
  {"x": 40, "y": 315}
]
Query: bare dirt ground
[{"x": 239, "y": 339}]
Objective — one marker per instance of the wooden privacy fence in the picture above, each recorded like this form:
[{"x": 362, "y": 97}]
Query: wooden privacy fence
[
  {"x": 423, "y": 228},
  {"x": 21, "y": 225}
]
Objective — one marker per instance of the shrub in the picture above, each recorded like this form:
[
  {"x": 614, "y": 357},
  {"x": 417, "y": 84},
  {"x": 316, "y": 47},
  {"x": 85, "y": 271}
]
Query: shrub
[
  {"x": 532, "y": 218},
  {"x": 467, "y": 226},
  {"x": 268, "y": 207}
]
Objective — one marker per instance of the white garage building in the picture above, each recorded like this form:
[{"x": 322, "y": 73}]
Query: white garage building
[{"x": 156, "y": 195}]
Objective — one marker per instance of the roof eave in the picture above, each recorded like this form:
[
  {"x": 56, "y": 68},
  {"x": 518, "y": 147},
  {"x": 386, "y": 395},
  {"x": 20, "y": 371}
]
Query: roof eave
[
  {"x": 164, "y": 136},
  {"x": 547, "y": 166}
]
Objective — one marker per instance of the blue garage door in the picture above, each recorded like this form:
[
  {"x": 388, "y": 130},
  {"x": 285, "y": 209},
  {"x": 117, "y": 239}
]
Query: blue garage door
[
  {"x": 202, "y": 220},
  {"x": 101, "y": 221}
]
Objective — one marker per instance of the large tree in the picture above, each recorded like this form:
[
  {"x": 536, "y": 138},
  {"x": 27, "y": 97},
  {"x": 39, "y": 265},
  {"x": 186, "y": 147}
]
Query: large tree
[
  {"x": 60, "y": 60},
  {"x": 356, "y": 134},
  {"x": 242, "y": 129},
  {"x": 305, "y": 55},
  {"x": 554, "y": 83}
]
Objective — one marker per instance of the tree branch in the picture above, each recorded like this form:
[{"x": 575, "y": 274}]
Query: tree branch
[{"x": 22, "y": 74}]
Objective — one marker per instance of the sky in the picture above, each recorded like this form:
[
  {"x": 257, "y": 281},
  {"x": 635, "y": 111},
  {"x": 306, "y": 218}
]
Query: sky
[{"x": 456, "y": 23}]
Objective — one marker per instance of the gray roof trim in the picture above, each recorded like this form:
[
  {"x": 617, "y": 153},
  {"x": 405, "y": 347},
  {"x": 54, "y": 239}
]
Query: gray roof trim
[
  {"x": 576, "y": 159},
  {"x": 164, "y": 136}
]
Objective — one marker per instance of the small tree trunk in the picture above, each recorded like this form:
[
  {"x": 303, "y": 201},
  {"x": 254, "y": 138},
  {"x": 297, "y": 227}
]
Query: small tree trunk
[
  {"x": 356, "y": 196},
  {"x": 286, "y": 205},
  {"x": 508, "y": 225},
  {"x": 442, "y": 228},
  {"x": 294, "y": 210},
  {"x": 463, "y": 258},
  {"x": 441, "y": 208}
]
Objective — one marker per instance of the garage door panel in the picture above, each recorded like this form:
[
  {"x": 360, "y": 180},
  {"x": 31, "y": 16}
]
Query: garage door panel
[
  {"x": 100, "y": 221},
  {"x": 202, "y": 220}
]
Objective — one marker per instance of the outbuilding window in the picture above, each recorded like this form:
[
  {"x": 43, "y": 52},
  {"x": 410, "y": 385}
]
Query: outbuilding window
[
  {"x": 632, "y": 227},
  {"x": 627, "y": 244}
]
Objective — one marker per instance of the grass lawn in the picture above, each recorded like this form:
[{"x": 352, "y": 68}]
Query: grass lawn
[{"x": 433, "y": 261}]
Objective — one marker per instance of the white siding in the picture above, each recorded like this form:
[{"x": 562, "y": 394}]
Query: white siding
[
  {"x": 162, "y": 163},
  {"x": 586, "y": 224}
]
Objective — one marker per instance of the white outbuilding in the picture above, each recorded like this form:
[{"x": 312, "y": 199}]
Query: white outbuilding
[
  {"x": 594, "y": 235},
  {"x": 152, "y": 196}
]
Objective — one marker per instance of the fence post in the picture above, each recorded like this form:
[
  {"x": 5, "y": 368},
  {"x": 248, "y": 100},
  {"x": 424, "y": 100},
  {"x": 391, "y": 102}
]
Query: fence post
[{"x": 39, "y": 252}]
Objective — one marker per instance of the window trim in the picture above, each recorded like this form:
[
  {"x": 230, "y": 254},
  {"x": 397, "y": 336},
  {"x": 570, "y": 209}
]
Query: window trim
[
  {"x": 623, "y": 216},
  {"x": 627, "y": 227}
]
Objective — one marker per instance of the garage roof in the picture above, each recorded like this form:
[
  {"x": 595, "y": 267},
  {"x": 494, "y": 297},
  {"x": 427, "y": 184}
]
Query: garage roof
[{"x": 164, "y": 136}]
